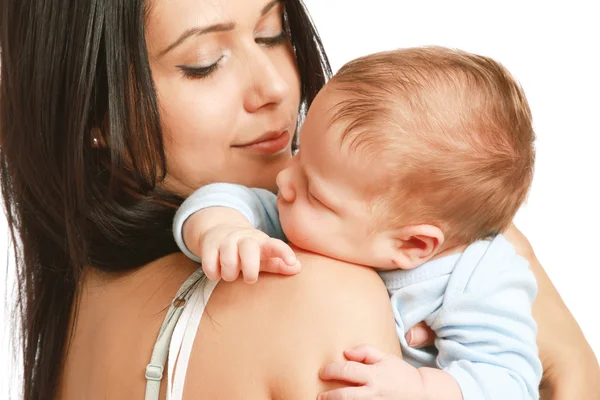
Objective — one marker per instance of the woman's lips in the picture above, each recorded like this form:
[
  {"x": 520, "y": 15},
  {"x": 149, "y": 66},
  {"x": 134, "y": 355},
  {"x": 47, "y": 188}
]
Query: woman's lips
[{"x": 269, "y": 146}]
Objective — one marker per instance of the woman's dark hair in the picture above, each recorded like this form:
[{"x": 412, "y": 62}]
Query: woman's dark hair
[{"x": 70, "y": 67}]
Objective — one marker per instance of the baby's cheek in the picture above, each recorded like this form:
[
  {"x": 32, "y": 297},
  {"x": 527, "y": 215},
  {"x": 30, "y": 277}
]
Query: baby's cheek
[
  {"x": 297, "y": 227},
  {"x": 288, "y": 222}
]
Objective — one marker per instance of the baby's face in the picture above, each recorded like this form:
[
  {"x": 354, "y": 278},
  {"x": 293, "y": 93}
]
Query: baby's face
[{"x": 323, "y": 198}]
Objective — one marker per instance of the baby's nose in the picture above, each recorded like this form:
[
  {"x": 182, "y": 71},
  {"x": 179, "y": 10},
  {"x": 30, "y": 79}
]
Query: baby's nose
[{"x": 286, "y": 188}]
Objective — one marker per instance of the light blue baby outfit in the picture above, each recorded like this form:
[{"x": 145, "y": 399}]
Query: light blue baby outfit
[{"x": 477, "y": 302}]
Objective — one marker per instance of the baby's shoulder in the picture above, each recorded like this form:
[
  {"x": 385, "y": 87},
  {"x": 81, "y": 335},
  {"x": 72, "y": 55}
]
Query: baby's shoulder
[{"x": 489, "y": 265}]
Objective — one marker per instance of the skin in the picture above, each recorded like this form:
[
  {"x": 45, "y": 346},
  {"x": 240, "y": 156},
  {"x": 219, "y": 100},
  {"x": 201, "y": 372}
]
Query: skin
[
  {"x": 310, "y": 189},
  {"x": 254, "y": 91},
  {"x": 324, "y": 203},
  {"x": 119, "y": 318},
  {"x": 325, "y": 206},
  {"x": 323, "y": 199},
  {"x": 326, "y": 195}
]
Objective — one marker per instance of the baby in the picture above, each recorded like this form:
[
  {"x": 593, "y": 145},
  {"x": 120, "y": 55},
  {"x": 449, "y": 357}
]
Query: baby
[{"x": 411, "y": 162}]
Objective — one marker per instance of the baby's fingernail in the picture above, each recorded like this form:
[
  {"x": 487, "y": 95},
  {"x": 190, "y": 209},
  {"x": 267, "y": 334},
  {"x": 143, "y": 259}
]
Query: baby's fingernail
[
  {"x": 417, "y": 336},
  {"x": 291, "y": 261}
]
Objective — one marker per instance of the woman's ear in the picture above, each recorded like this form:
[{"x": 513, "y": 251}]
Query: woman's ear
[
  {"x": 98, "y": 141},
  {"x": 412, "y": 245}
]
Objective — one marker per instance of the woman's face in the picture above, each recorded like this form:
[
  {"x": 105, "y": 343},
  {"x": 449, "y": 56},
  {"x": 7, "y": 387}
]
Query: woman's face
[{"x": 228, "y": 90}]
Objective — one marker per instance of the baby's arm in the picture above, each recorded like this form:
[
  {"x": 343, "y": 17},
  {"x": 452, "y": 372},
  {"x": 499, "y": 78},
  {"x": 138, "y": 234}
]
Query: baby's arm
[
  {"x": 486, "y": 334},
  {"x": 228, "y": 227},
  {"x": 486, "y": 337}
]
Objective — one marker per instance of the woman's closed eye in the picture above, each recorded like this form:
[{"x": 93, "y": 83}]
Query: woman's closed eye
[
  {"x": 273, "y": 33},
  {"x": 272, "y": 41},
  {"x": 203, "y": 71},
  {"x": 198, "y": 71}
]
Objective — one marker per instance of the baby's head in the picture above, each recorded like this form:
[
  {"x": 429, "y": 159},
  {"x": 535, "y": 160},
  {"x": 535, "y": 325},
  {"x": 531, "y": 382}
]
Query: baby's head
[{"x": 406, "y": 154}]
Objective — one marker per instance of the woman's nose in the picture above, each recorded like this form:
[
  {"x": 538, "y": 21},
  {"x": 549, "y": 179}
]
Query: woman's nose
[
  {"x": 267, "y": 85},
  {"x": 286, "y": 188}
]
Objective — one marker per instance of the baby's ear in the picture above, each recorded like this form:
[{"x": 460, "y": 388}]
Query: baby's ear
[{"x": 412, "y": 245}]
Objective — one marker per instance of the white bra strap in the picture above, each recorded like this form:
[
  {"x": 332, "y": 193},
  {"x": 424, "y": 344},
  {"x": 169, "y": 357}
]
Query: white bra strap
[
  {"x": 176, "y": 341},
  {"x": 184, "y": 336},
  {"x": 154, "y": 370}
]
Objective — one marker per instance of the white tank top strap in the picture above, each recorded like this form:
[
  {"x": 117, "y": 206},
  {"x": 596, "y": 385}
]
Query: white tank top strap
[{"x": 176, "y": 336}]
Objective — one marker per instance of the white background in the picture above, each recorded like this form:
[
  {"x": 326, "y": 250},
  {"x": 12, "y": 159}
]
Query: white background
[{"x": 554, "y": 51}]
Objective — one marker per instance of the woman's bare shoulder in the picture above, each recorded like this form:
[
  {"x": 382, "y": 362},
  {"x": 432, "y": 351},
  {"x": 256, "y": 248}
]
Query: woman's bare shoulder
[
  {"x": 118, "y": 319},
  {"x": 327, "y": 291},
  {"x": 342, "y": 304},
  {"x": 281, "y": 330}
]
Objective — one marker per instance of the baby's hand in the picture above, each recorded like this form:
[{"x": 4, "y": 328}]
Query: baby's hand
[
  {"x": 376, "y": 375},
  {"x": 227, "y": 250}
]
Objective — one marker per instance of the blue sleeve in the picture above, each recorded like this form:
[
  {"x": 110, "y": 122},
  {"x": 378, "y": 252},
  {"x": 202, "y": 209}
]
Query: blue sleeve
[
  {"x": 486, "y": 331},
  {"x": 257, "y": 205}
]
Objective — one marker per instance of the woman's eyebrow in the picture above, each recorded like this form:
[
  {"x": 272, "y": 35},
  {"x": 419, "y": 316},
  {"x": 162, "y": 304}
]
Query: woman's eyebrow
[
  {"x": 221, "y": 27},
  {"x": 269, "y": 6},
  {"x": 199, "y": 30}
]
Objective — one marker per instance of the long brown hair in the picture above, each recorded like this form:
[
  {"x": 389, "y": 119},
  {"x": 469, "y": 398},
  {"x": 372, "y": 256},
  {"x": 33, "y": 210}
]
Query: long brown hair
[{"x": 69, "y": 67}]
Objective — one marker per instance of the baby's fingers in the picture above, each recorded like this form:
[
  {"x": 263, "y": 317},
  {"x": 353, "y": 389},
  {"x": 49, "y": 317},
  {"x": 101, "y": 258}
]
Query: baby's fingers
[
  {"x": 210, "y": 262},
  {"x": 230, "y": 261},
  {"x": 348, "y": 371},
  {"x": 365, "y": 354},
  {"x": 420, "y": 336},
  {"x": 249, "y": 251},
  {"x": 347, "y": 393},
  {"x": 277, "y": 266},
  {"x": 275, "y": 248}
]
